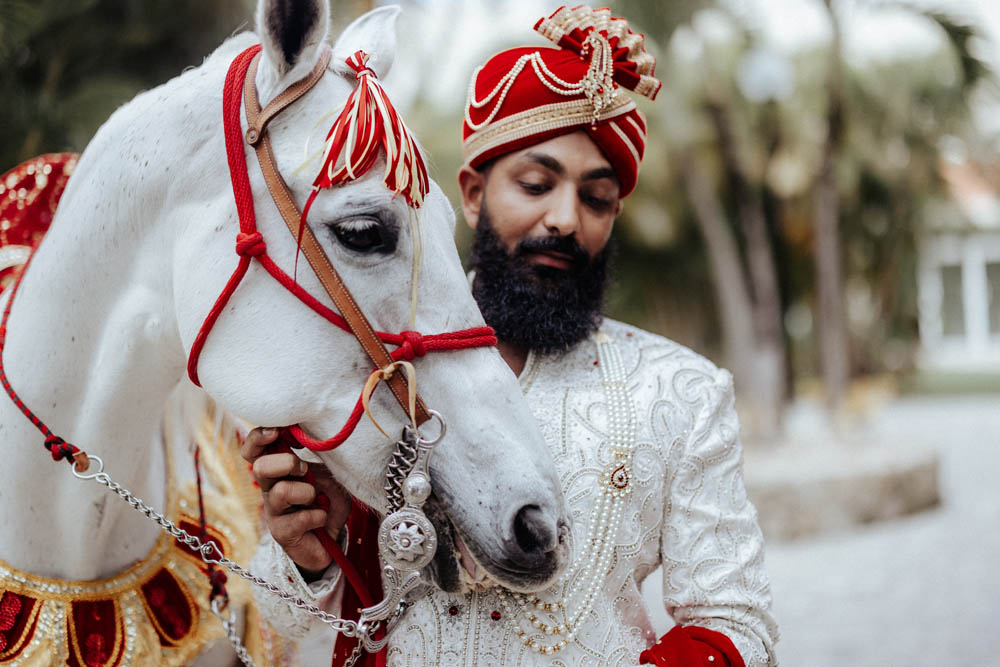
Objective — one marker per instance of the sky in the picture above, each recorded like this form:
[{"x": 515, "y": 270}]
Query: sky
[
  {"x": 448, "y": 37},
  {"x": 872, "y": 28}
]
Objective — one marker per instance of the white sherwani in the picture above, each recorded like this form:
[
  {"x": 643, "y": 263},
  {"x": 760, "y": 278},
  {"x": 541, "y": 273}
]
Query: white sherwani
[{"x": 687, "y": 511}]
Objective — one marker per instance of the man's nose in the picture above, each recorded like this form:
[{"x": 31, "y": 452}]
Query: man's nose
[{"x": 563, "y": 216}]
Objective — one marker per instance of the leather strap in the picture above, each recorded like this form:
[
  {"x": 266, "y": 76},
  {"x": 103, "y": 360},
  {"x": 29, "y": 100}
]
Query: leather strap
[
  {"x": 257, "y": 121},
  {"x": 258, "y": 126}
]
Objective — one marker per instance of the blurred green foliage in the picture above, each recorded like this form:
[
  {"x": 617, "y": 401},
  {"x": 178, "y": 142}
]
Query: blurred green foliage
[
  {"x": 66, "y": 65},
  {"x": 898, "y": 114}
]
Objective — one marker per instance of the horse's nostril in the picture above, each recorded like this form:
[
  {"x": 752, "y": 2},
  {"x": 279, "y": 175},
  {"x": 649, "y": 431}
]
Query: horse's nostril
[{"x": 534, "y": 533}]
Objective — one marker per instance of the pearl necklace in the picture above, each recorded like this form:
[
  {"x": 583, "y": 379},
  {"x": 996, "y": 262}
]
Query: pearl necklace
[{"x": 586, "y": 577}]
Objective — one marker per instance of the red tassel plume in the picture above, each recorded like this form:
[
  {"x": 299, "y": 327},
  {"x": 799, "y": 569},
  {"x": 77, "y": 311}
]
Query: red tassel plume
[{"x": 367, "y": 124}]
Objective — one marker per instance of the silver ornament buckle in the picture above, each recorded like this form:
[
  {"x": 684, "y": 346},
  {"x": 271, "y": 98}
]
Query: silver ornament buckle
[{"x": 407, "y": 540}]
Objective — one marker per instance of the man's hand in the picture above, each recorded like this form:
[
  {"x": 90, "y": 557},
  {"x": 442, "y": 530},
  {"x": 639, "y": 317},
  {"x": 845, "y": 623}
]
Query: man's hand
[{"x": 287, "y": 496}]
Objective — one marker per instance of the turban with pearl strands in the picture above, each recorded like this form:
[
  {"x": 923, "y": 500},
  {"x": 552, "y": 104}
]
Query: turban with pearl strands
[{"x": 527, "y": 95}]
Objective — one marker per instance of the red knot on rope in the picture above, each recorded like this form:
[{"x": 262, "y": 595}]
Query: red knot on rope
[{"x": 250, "y": 245}]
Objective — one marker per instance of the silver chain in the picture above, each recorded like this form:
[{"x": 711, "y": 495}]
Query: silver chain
[
  {"x": 355, "y": 654},
  {"x": 229, "y": 625},
  {"x": 212, "y": 554},
  {"x": 411, "y": 450}
]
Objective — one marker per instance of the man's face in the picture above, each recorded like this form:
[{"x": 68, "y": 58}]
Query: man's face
[
  {"x": 543, "y": 218},
  {"x": 560, "y": 187}
]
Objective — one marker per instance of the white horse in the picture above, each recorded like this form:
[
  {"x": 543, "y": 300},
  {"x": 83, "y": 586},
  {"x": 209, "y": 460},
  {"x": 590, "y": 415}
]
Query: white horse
[{"x": 140, "y": 247}]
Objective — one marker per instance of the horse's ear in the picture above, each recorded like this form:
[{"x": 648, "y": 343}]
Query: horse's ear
[
  {"x": 292, "y": 32},
  {"x": 375, "y": 34}
]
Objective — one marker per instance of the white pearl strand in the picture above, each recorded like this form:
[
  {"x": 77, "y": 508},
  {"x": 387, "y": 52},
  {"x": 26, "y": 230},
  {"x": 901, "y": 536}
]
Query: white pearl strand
[
  {"x": 586, "y": 578},
  {"x": 597, "y": 84},
  {"x": 504, "y": 85}
]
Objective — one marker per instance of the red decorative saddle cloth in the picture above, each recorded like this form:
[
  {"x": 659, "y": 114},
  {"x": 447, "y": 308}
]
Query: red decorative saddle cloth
[
  {"x": 154, "y": 608},
  {"x": 28, "y": 196},
  {"x": 157, "y": 611}
]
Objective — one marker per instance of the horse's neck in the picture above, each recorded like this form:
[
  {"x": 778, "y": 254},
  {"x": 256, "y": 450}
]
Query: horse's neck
[
  {"x": 92, "y": 344},
  {"x": 92, "y": 348}
]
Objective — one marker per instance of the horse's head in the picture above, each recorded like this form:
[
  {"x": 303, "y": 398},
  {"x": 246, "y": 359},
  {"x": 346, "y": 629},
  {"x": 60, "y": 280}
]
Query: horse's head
[{"x": 274, "y": 361}]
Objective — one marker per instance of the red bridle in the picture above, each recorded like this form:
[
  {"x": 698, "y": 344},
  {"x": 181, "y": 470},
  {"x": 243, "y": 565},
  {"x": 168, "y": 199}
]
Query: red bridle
[
  {"x": 384, "y": 129},
  {"x": 250, "y": 243}
]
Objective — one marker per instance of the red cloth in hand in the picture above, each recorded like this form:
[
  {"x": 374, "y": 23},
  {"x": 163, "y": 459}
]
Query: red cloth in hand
[
  {"x": 362, "y": 552},
  {"x": 692, "y": 646}
]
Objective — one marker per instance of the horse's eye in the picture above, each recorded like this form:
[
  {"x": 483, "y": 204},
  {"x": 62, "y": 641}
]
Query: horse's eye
[{"x": 360, "y": 236}]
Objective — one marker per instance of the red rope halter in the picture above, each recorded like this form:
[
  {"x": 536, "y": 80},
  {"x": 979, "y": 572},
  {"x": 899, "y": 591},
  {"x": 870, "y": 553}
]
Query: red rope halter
[
  {"x": 250, "y": 243},
  {"x": 407, "y": 174},
  {"x": 58, "y": 448},
  {"x": 377, "y": 122}
]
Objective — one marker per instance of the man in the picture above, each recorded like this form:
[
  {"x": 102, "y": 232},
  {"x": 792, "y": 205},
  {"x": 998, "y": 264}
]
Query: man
[{"x": 643, "y": 431}]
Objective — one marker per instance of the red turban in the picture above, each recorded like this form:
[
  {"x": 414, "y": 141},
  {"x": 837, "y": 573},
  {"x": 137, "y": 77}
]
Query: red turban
[{"x": 527, "y": 95}]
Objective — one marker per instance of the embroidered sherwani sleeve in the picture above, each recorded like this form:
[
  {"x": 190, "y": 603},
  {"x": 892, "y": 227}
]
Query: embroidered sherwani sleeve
[
  {"x": 271, "y": 562},
  {"x": 711, "y": 544}
]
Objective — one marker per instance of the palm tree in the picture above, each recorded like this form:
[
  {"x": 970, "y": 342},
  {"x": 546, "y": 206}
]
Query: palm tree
[
  {"x": 827, "y": 215},
  {"x": 740, "y": 257},
  {"x": 725, "y": 148},
  {"x": 826, "y": 218},
  {"x": 66, "y": 66}
]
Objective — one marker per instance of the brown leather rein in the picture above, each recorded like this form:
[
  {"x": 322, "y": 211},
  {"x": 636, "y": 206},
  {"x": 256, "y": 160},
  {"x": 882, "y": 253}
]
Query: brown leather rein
[{"x": 256, "y": 136}]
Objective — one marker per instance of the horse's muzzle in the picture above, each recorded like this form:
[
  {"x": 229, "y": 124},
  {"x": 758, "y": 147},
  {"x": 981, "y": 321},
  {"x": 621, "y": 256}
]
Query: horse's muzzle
[
  {"x": 533, "y": 552},
  {"x": 534, "y": 538}
]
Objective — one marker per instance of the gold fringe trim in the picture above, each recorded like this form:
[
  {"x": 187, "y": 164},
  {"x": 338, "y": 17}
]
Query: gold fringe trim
[
  {"x": 541, "y": 119},
  {"x": 232, "y": 509}
]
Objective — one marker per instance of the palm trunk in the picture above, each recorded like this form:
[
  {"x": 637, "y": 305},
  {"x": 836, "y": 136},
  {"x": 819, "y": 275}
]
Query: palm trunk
[
  {"x": 769, "y": 352},
  {"x": 834, "y": 360},
  {"x": 731, "y": 291}
]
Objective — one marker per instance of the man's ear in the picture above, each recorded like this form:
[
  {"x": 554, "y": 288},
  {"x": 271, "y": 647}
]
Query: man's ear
[{"x": 472, "y": 183}]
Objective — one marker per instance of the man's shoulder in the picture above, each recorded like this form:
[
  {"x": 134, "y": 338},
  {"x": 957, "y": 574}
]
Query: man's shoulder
[{"x": 652, "y": 353}]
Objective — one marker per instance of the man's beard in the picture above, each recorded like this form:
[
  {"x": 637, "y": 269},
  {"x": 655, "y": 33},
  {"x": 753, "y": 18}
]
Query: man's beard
[{"x": 538, "y": 307}]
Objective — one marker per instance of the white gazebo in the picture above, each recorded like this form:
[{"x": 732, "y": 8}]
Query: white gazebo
[{"x": 959, "y": 277}]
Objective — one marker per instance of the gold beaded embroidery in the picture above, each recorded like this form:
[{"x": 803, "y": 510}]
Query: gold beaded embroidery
[
  {"x": 232, "y": 513},
  {"x": 541, "y": 119}
]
